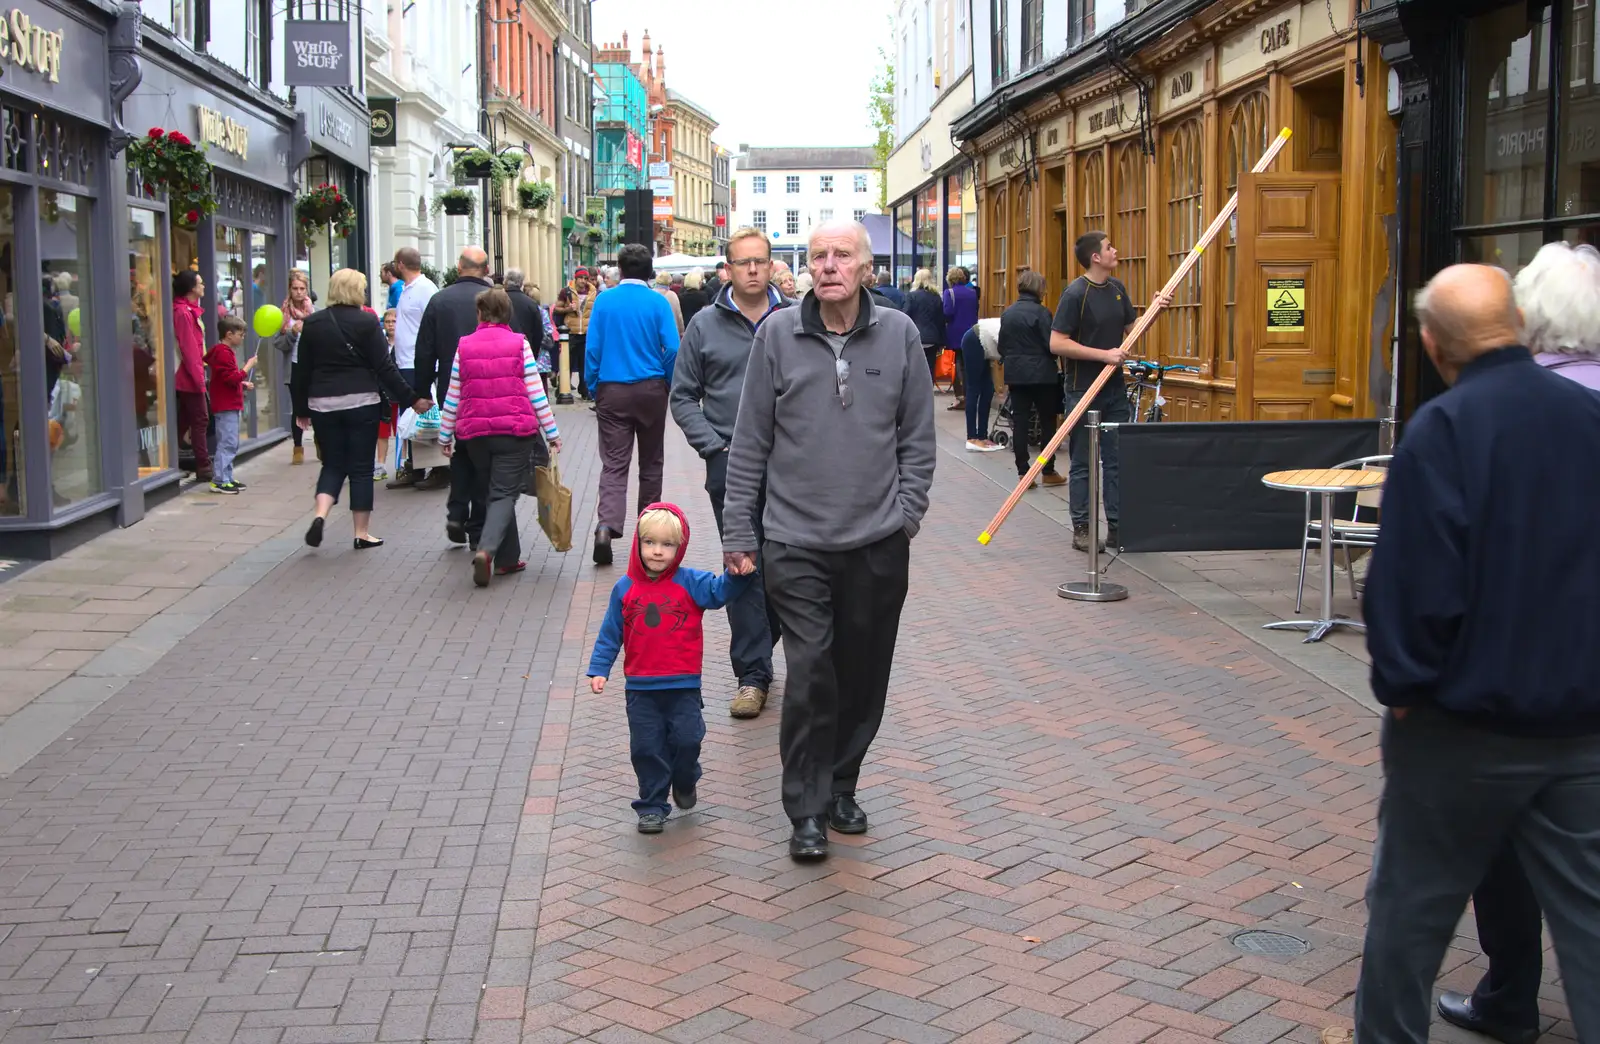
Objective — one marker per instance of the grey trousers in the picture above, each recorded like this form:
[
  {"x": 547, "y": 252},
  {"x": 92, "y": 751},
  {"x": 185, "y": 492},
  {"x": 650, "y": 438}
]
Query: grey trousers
[
  {"x": 1454, "y": 795},
  {"x": 501, "y": 466}
]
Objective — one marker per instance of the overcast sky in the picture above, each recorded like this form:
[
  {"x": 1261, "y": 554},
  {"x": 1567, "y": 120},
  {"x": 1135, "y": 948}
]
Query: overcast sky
[{"x": 771, "y": 73}]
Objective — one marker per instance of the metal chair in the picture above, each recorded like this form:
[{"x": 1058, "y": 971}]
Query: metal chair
[{"x": 1355, "y": 531}]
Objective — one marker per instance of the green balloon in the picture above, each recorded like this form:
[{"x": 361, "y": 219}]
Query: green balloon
[
  {"x": 268, "y": 320},
  {"x": 75, "y": 323}
]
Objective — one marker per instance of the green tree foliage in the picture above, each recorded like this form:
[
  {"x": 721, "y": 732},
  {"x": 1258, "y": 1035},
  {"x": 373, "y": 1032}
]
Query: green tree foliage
[{"x": 880, "y": 107}]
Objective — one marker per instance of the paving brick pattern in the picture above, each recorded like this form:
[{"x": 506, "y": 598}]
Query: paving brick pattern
[{"x": 365, "y": 802}]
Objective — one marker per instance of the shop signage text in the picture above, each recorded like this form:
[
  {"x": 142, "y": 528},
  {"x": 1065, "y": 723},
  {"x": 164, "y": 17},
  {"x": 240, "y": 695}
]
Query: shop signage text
[
  {"x": 223, "y": 132},
  {"x": 316, "y": 53},
  {"x": 661, "y": 188},
  {"x": 335, "y": 127},
  {"x": 1277, "y": 37},
  {"x": 30, "y": 46},
  {"x": 1182, "y": 84},
  {"x": 1109, "y": 117}
]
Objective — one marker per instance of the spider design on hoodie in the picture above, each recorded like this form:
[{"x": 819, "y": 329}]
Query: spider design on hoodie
[{"x": 638, "y": 617}]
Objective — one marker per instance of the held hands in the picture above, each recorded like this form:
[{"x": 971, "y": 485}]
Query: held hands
[
  {"x": 448, "y": 449},
  {"x": 422, "y": 405},
  {"x": 597, "y": 685},
  {"x": 739, "y": 563}
]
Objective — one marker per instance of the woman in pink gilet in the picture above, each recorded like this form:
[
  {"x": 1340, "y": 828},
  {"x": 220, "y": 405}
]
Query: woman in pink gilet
[
  {"x": 1559, "y": 295},
  {"x": 495, "y": 411}
]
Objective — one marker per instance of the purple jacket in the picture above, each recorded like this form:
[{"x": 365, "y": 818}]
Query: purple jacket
[
  {"x": 1581, "y": 368},
  {"x": 960, "y": 311},
  {"x": 494, "y": 392}
]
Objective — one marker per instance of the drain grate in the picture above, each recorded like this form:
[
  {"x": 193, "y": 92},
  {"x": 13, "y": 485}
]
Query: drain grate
[{"x": 1263, "y": 943}]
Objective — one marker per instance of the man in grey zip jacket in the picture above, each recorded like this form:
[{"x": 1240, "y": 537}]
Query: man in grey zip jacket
[
  {"x": 837, "y": 416},
  {"x": 706, "y": 385}
]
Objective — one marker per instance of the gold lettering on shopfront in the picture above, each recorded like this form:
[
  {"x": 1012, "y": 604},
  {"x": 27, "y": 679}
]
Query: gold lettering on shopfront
[
  {"x": 1110, "y": 117},
  {"x": 223, "y": 132},
  {"x": 1276, "y": 37},
  {"x": 1182, "y": 84},
  {"x": 31, "y": 46}
]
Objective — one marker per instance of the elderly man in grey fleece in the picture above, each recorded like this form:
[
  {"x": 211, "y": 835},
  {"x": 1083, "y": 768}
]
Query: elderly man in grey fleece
[{"x": 837, "y": 416}]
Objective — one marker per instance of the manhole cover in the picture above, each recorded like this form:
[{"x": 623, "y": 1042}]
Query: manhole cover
[{"x": 1264, "y": 943}]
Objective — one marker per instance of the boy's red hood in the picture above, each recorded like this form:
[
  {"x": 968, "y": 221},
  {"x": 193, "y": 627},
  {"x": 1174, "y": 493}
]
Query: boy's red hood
[{"x": 636, "y": 569}]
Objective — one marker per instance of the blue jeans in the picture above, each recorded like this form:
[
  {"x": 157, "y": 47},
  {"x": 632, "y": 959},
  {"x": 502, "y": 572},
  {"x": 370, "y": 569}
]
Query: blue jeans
[
  {"x": 665, "y": 728},
  {"x": 227, "y": 446},
  {"x": 1112, "y": 402},
  {"x": 752, "y": 624},
  {"x": 980, "y": 392}
]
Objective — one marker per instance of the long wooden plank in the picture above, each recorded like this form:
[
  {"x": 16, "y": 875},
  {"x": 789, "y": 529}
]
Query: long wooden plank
[{"x": 1139, "y": 327}]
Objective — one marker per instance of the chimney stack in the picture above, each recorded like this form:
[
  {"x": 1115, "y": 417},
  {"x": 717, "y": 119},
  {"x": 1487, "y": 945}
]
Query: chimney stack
[{"x": 661, "y": 66}]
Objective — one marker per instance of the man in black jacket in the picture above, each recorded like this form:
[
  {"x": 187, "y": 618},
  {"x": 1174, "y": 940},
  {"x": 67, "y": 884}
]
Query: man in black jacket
[
  {"x": 1482, "y": 613},
  {"x": 1033, "y": 377},
  {"x": 524, "y": 310},
  {"x": 452, "y": 314}
]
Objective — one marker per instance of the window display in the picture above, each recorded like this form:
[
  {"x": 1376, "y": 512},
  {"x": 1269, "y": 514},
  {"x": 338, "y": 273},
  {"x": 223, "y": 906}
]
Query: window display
[
  {"x": 147, "y": 341},
  {"x": 69, "y": 345}
]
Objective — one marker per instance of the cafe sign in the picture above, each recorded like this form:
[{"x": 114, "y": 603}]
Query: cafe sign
[
  {"x": 30, "y": 46},
  {"x": 223, "y": 132}
]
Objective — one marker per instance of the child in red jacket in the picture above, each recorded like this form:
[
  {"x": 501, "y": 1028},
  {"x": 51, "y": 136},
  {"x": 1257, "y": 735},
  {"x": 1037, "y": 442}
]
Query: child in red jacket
[
  {"x": 226, "y": 385},
  {"x": 654, "y": 620}
]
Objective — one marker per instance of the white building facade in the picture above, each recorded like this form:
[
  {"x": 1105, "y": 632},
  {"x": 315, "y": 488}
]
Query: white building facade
[
  {"x": 786, "y": 192},
  {"x": 932, "y": 196},
  {"x": 424, "y": 54}
]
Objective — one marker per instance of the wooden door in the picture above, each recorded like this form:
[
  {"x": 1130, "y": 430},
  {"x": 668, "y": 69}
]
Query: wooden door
[{"x": 1288, "y": 265}]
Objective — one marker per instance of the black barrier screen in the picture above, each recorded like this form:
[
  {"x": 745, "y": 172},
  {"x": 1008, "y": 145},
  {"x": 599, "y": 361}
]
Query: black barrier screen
[{"x": 1197, "y": 487}]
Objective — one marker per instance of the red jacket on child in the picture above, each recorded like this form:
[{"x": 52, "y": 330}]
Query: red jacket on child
[{"x": 226, "y": 380}]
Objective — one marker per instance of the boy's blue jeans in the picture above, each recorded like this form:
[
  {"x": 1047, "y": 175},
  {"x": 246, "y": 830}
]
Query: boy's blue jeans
[
  {"x": 665, "y": 727},
  {"x": 227, "y": 446}
]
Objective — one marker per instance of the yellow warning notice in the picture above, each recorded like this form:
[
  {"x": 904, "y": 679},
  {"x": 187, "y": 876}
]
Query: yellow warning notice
[{"x": 1286, "y": 305}]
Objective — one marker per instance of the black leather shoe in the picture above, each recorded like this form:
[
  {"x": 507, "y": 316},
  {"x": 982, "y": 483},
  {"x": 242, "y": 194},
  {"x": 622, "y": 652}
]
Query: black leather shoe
[
  {"x": 1457, "y": 1009},
  {"x": 809, "y": 840},
  {"x": 456, "y": 532},
  {"x": 602, "y": 546},
  {"x": 845, "y": 816},
  {"x": 685, "y": 799}
]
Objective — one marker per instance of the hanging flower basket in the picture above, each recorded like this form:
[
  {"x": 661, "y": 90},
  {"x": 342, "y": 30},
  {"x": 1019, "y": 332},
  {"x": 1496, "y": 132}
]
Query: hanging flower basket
[
  {"x": 594, "y": 235},
  {"x": 454, "y": 201},
  {"x": 167, "y": 159},
  {"x": 324, "y": 205},
  {"x": 535, "y": 195},
  {"x": 478, "y": 164}
]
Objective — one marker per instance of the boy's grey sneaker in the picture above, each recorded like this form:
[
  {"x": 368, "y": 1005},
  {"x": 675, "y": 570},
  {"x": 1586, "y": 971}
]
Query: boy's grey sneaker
[
  {"x": 685, "y": 799},
  {"x": 225, "y": 487},
  {"x": 650, "y": 823}
]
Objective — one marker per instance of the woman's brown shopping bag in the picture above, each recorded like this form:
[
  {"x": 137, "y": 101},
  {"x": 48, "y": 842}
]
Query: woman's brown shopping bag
[{"x": 555, "y": 505}]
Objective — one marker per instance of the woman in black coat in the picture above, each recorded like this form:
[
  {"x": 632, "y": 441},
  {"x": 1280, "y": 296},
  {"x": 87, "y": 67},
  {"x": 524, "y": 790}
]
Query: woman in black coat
[
  {"x": 926, "y": 309},
  {"x": 1033, "y": 376},
  {"x": 693, "y": 297},
  {"x": 343, "y": 366}
]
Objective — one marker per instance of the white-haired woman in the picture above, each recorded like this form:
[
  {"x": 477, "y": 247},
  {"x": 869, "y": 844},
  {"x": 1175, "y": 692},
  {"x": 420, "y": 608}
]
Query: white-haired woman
[
  {"x": 802, "y": 284},
  {"x": 664, "y": 288},
  {"x": 927, "y": 311},
  {"x": 693, "y": 296},
  {"x": 1559, "y": 294}
]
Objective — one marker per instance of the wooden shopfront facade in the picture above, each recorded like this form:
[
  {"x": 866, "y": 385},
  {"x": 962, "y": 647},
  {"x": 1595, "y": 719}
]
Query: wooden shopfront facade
[{"x": 1145, "y": 132}]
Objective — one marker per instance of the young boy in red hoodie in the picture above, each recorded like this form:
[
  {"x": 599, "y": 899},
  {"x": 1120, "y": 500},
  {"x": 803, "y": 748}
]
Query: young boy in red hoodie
[
  {"x": 654, "y": 619},
  {"x": 226, "y": 385}
]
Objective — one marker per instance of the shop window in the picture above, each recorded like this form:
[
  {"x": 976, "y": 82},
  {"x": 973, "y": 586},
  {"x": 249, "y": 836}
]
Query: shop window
[
  {"x": 1578, "y": 169},
  {"x": 272, "y": 371},
  {"x": 1249, "y": 133},
  {"x": 957, "y": 210},
  {"x": 996, "y": 293},
  {"x": 147, "y": 286},
  {"x": 1130, "y": 223},
  {"x": 1184, "y": 224},
  {"x": 1022, "y": 222},
  {"x": 1508, "y": 76},
  {"x": 1091, "y": 191},
  {"x": 927, "y": 255},
  {"x": 12, "y": 500},
  {"x": 70, "y": 347}
]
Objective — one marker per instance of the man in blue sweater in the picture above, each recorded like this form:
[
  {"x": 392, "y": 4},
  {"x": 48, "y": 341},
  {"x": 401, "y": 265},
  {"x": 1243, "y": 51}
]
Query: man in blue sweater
[
  {"x": 628, "y": 361},
  {"x": 1483, "y": 610}
]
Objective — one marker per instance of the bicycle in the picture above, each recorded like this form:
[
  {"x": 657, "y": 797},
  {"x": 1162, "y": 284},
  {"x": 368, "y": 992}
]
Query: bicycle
[{"x": 1147, "y": 376}]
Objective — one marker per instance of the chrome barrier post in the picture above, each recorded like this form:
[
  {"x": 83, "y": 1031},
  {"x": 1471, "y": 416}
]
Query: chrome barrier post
[{"x": 1094, "y": 590}]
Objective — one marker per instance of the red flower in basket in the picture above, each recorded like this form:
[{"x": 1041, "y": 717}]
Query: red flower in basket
[
  {"x": 178, "y": 138},
  {"x": 192, "y": 217},
  {"x": 156, "y": 132}
]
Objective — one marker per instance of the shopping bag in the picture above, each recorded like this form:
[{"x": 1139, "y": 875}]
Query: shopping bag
[
  {"x": 555, "y": 506},
  {"x": 405, "y": 428},
  {"x": 944, "y": 367}
]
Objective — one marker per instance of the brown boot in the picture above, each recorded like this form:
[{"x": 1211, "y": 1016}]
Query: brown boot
[
  {"x": 298, "y": 456},
  {"x": 748, "y": 702}
]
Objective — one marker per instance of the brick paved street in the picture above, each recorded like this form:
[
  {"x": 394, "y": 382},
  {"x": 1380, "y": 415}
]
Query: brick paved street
[{"x": 366, "y": 802}]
